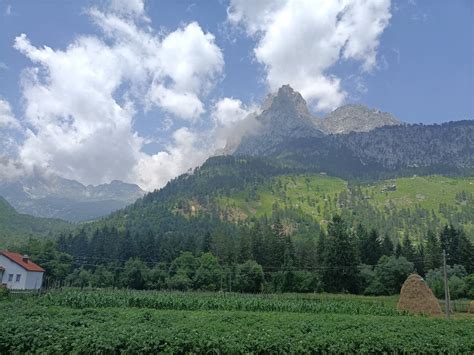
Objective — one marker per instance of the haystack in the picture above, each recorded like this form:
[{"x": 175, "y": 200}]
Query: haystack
[
  {"x": 417, "y": 297},
  {"x": 471, "y": 307}
]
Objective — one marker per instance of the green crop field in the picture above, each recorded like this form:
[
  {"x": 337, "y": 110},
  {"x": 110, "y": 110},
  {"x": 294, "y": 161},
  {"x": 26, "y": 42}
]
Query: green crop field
[{"x": 151, "y": 322}]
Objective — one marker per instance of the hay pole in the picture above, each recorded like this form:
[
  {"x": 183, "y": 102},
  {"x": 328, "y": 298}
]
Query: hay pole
[{"x": 447, "y": 300}]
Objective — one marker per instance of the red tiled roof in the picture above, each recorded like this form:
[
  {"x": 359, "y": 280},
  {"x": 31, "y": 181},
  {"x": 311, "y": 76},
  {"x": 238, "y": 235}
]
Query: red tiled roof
[{"x": 25, "y": 264}]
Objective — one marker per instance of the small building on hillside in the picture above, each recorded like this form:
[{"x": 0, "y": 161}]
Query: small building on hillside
[{"x": 18, "y": 272}]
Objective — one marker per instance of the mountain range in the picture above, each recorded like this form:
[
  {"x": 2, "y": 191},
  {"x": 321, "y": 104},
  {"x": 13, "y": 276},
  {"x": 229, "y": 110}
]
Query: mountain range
[
  {"x": 52, "y": 196},
  {"x": 353, "y": 142}
]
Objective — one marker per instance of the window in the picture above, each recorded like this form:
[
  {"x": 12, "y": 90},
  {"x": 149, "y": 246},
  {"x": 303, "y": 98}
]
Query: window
[
  {"x": 18, "y": 277},
  {"x": 10, "y": 277}
]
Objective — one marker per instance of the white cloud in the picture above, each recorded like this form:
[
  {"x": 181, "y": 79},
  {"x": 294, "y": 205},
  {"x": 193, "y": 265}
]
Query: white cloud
[
  {"x": 185, "y": 105},
  {"x": 227, "y": 111},
  {"x": 128, "y": 7},
  {"x": 7, "y": 119},
  {"x": 80, "y": 101},
  {"x": 10, "y": 169},
  {"x": 233, "y": 120},
  {"x": 298, "y": 42},
  {"x": 183, "y": 154}
]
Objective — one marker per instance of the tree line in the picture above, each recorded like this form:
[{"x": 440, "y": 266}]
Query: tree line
[{"x": 203, "y": 253}]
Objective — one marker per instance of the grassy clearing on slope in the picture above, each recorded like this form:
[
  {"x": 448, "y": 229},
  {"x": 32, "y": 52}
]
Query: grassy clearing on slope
[
  {"x": 305, "y": 192},
  {"x": 313, "y": 194},
  {"x": 425, "y": 191}
]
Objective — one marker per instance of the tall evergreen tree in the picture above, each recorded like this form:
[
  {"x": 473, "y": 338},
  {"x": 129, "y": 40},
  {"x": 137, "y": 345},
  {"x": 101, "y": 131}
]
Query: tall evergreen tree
[
  {"x": 206, "y": 243},
  {"x": 433, "y": 252},
  {"x": 387, "y": 246},
  {"x": 419, "y": 260},
  {"x": 449, "y": 240},
  {"x": 407, "y": 250},
  {"x": 370, "y": 249},
  {"x": 466, "y": 252},
  {"x": 258, "y": 246},
  {"x": 340, "y": 269},
  {"x": 245, "y": 247}
]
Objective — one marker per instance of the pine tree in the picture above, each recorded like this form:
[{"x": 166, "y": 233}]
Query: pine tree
[
  {"x": 206, "y": 243},
  {"x": 449, "y": 240},
  {"x": 387, "y": 246},
  {"x": 407, "y": 250},
  {"x": 420, "y": 260},
  {"x": 245, "y": 247},
  {"x": 466, "y": 252},
  {"x": 278, "y": 244},
  {"x": 433, "y": 251},
  {"x": 258, "y": 249},
  {"x": 370, "y": 249},
  {"x": 321, "y": 249},
  {"x": 340, "y": 269}
]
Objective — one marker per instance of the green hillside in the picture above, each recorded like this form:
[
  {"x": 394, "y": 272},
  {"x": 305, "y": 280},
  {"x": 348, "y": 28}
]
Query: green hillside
[
  {"x": 432, "y": 200},
  {"x": 426, "y": 191},
  {"x": 309, "y": 193},
  {"x": 16, "y": 227}
]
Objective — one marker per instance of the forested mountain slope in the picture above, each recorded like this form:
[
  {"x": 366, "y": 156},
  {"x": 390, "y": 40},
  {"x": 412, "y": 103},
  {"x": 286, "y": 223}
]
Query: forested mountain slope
[
  {"x": 389, "y": 151},
  {"x": 237, "y": 189},
  {"x": 15, "y": 227}
]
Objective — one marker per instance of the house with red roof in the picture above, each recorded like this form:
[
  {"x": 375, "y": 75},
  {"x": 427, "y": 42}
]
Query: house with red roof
[{"x": 18, "y": 272}]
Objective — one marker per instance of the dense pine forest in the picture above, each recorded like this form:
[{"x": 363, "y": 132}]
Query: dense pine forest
[{"x": 205, "y": 253}]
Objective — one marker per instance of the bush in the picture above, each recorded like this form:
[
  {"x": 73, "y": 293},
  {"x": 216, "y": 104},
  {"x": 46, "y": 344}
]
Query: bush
[
  {"x": 469, "y": 280},
  {"x": 390, "y": 274},
  {"x": 457, "y": 287},
  {"x": 4, "y": 292},
  {"x": 250, "y": 277}
]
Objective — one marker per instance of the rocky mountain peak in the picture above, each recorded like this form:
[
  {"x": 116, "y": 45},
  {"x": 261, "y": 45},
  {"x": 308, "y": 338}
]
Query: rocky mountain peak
[
  {"x": 288, "y": 102},
  {"x": 355, "y": 118},
  {"x": 284, "y": 115}
]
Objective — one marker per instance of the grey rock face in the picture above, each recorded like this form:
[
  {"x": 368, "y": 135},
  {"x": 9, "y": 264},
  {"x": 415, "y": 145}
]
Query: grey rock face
[
  {"x": 355, "y": 118},
  {"x": 56, "y": 197},
  {"x": 284, "y": 115}
]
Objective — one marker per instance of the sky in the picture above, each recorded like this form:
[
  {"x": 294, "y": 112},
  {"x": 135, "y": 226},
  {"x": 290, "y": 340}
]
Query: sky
[{"x": 142, "y": 91}]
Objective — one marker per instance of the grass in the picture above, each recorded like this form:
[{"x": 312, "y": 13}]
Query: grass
[
  {"x": 40, "y": 326},
  {"x": 425, "y": 191},
  {"x": 313, "y": 193},
  {"x": 305, "y": 192}
]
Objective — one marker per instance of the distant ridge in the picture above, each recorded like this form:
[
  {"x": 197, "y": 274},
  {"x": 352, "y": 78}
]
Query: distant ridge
[{"x": 55, "y": 197}]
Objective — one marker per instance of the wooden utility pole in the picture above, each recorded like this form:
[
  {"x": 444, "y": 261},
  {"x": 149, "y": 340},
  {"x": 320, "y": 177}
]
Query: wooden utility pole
[{"x": 446, "y": 289}]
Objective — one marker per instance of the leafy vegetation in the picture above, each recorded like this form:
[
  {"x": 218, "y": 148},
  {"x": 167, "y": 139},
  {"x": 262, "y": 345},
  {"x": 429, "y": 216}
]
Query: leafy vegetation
[
  {"x": 40, "y": 327},
  {"x": 192, "y": 301}
]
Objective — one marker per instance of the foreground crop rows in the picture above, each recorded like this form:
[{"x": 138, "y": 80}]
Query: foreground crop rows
[
  {"x": 190, "y": 301},
  {"x": 59, "y": 324}
]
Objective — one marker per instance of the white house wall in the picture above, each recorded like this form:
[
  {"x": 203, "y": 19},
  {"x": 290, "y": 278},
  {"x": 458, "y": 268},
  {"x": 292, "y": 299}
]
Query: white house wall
[
  {"x": 15, "y": 269},
  {"x": 34, "y": 280},
  {"x": 28, "y": 281}
]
